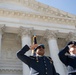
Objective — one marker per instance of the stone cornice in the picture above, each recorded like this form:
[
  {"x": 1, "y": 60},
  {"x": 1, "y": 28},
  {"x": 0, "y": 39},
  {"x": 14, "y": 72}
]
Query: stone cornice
[
  {"x": 33, "y": 4},
  {"x": 36, "y": 17}
]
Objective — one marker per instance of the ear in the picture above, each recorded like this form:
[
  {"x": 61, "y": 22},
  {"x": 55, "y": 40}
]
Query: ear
[{"x": 69, "y": 51}]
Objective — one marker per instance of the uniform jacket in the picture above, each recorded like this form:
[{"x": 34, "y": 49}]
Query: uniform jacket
[
  {"x": 38, "y": 65},
  {"x": 68, "y": 60}
]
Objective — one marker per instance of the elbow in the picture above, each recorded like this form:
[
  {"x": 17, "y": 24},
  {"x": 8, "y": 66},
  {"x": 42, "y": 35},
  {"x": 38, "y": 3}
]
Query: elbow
[
  {"x": 18, "y": 54},
  {"x": 59, "y": 54}
]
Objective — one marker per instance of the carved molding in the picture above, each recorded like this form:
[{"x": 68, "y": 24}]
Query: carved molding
[
  {"x": 2, "y": 28},
  {"x": 10, "y": 71},
  {"x": 50, "y": 34},
  {"x": 37, "y": 17}
]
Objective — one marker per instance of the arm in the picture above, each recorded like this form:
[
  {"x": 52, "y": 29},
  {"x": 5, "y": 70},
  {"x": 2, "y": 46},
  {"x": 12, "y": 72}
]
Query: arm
[
  {"x": 62, "y": 55},
  {"x": 23, "y": 57}
]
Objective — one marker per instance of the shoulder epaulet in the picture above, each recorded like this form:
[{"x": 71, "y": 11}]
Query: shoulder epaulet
[
  {"x": 32, "y": 57},
  {"x": 50, "y": 59}
]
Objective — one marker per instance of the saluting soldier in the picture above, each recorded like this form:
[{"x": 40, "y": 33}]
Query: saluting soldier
[
  {"x": 68, "y": 56},
  {"x": 38, "y": 63}
]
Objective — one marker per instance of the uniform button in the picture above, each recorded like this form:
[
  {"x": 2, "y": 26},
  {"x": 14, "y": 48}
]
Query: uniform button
[
  {"x": 46, "y": 68},
  {"x": 44, "y": 61},
  {"x": 46, "y": 72},
  {"x": 45, "y": 64}
]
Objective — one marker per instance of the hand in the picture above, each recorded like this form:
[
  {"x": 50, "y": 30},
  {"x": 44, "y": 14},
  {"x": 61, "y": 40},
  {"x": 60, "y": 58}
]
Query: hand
[
  {"x": 32, "y": 47},
  {"x": 71, "y": 45},
  {"x": 71, "y": 42}
]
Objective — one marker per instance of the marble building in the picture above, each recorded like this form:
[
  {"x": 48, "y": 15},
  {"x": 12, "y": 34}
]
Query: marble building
[{"x": 20, "y": 20}]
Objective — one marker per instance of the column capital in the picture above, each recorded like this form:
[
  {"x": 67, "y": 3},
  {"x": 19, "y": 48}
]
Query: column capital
[
  {"x": 50, "y": 34},
  {"x": 2, "y": 28},
  {"x": 71, "y": 36},
  {"x": 25, "y": 31}
]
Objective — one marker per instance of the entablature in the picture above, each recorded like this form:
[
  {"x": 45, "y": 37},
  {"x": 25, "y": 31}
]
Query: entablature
[{"x": 36, "y": 17}]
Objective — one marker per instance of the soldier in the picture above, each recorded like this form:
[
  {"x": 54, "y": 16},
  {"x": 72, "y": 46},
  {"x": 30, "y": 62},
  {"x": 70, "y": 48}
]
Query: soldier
[
  {"x": 68, "y": 57},
  {"x": 38, "y": 64}
]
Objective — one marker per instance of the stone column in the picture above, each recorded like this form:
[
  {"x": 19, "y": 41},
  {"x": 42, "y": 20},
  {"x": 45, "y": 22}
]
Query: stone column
[
  {"x": 2, "y": 28},
  {"x": 0, "y": 41},
  {"x": 26, "y": 39},
  {"x": 53, "y": 47}
]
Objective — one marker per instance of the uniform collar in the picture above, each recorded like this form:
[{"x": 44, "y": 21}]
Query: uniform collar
[
  {"x": 73, "y": 55},
  {"x": 39, "y": 55}
]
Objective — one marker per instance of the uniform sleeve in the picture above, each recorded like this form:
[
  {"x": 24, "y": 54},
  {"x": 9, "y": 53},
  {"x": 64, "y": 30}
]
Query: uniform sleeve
[
  {"x": 23, "y": 57},
  {"x": 54, "y": 71},
  {"x": 62, "y": 55}
]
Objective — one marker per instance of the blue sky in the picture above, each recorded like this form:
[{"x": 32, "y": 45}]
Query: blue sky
[{"x": 65, "y": 5}]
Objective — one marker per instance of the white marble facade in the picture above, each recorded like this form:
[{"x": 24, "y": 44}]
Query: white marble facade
[{"x": 20, "y": 20}]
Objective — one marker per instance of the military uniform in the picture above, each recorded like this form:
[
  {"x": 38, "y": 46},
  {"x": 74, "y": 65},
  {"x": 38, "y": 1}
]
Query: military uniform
[
  {"x": 68, "y": 60},
  {"x": 38, "y": 65}
]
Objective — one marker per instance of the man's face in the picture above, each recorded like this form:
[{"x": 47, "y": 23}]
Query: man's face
[
  {"x": 73, "y": 50},
  {"x": 40, "y": 50}
]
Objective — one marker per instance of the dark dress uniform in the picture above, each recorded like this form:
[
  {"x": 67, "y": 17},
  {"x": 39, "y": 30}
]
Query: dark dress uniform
[
  {"x": 38, "y": 65},
  {"x": 68, "y": 60}
]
